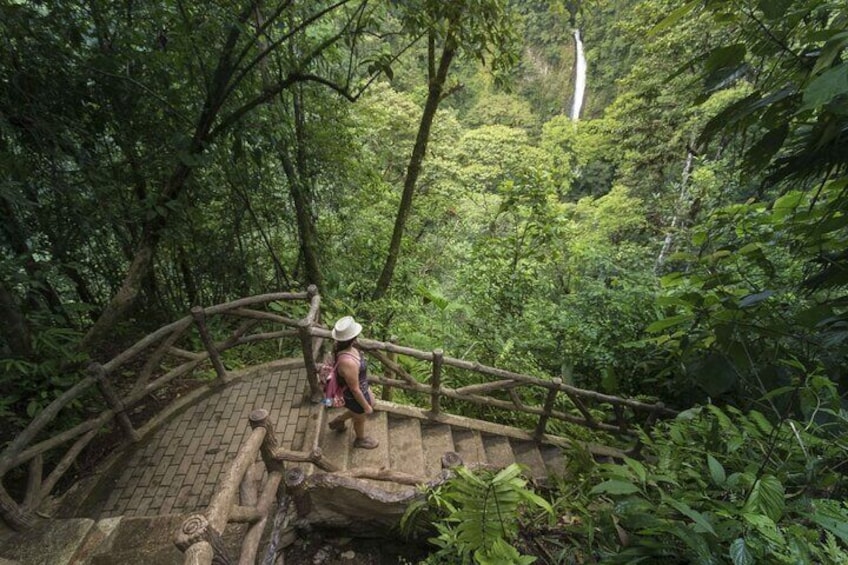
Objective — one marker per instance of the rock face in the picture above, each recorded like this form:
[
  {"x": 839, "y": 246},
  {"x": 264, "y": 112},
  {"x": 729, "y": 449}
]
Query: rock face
[{"x": 357, "y": 505}]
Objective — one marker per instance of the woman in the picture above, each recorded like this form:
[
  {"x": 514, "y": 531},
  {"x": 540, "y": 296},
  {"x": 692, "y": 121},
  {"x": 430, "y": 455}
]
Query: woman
[{"x": 351, "y": 365}]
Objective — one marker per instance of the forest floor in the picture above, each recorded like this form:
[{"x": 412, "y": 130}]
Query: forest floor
[{"x": 322, "y": 549}]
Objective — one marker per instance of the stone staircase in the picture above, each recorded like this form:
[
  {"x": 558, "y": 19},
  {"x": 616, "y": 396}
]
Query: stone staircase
[
  {"x": 416, "y": 446},
  {"x": 409, "y": 445},
  {"x": 370, "y": 490}
]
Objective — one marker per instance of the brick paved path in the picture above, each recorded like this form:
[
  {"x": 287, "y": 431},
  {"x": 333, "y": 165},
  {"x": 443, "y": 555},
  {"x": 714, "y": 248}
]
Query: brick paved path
[{"x": 176, "y": 468}]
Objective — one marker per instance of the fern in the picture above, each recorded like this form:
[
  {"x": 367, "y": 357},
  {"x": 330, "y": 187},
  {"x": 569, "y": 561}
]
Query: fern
[{"x": 480, "y": 516}]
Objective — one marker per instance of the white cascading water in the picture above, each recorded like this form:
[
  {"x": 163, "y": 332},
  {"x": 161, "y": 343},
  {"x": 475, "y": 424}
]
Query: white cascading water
[{"x": 579, "y": 79}]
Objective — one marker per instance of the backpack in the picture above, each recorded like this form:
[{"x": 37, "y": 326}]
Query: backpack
[{"x": 333, "y": 383}]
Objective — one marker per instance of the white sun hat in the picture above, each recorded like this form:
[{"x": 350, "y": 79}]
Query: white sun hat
[{"x": 346, "y": 329}]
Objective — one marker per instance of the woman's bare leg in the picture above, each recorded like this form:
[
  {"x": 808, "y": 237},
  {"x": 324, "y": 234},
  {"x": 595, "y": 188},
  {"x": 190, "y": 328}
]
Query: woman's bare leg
[{"x": 358, "y": 425}]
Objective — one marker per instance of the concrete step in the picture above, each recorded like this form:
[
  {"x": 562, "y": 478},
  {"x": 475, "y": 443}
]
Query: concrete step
[
  {"x": 527, "y": 454},
  {"x": 111, "y": 541},
  {"x": 469, "y": 445},
  {"x": 336, "y": 445},
  {"x": 377, "y": 427},
  {"x": 498, "y": 451},
  {"x": 50, "y": 542},
  {"x": 437, "y": 440},
  {"x": 406, "y": 452}
]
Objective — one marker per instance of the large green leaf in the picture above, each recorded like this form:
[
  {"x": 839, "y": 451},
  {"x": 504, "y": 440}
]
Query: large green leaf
[
  {"x": 703, "y": 524},
  {"x": 767, "y": 497},
  {"x": 831, "y": 51},
  {"x": 740, "y": 554},
  {"x": 717, "y": 472},
  {"x": 829, "y": 85},
  {"x": 671, "y": 321},
  {"x": 774, "y": 9},
  {"x": 713, "y": 373},
  {"x": 674, "y": 17}
]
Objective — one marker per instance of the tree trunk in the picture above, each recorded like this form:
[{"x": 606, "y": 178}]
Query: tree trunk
[
  {"x": 123, "y": 300},
  {"x": 142, "y": 264},
  {"x": 434, "y": 96},
  {"x": 15, "y": 330},
  {"x": 305, "y": 226},
  {"x": 298, "y": 177}
]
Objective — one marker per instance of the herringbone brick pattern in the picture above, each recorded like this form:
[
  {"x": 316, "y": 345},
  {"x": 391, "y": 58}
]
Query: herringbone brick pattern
[{"x": 175, "y": 470}]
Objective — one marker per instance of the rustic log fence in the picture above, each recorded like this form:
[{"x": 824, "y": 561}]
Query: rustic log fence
[
  {"x": 587, "y": 408},
  {"x": 561, "y": 402},
  {"x": 201, "y": 535},
  {"x": 161, "y": 362}
]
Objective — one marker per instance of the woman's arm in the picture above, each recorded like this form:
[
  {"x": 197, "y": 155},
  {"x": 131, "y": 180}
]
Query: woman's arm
[{"x": 349, "y": 370}]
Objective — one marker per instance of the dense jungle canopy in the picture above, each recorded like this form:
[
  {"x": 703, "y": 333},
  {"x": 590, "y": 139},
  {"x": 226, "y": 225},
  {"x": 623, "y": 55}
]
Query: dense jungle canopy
[{"x": 683, "y": 240}]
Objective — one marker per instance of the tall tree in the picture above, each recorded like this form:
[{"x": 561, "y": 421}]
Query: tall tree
[
  {"x": 231, "y": 93},
  {"x": 477, "y": 28}
]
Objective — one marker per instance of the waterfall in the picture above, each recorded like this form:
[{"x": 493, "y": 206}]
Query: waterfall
[{"x": 580, "y": 77}]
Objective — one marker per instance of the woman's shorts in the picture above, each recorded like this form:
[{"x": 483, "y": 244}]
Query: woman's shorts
[{"x": 351, "y": 403}]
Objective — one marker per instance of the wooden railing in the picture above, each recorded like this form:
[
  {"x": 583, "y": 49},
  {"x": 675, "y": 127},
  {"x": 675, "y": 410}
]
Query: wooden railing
[
  {"x": 499, "y": 390},
  {"x": 201, "y": 535},
  {"x": 587, "y": 408},
  {"x": 148, "y": 358}
]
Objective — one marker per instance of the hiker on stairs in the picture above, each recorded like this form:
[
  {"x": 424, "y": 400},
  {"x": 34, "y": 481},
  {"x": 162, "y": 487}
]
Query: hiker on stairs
[{"x": 350, "y": 364}]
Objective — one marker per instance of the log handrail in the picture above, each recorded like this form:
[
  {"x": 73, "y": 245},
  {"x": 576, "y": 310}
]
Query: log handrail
[
  {"x": 560, "y": 401},
  {"x": 155, "y": 350},
  {"x": 200, "y": 534}
]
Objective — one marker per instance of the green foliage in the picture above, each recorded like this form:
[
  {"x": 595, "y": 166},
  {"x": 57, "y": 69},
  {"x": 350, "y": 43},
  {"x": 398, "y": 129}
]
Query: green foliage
[
  {"x": 28, "y": 385},
  {"x": 477, "y": 516},
  {"x": 717, "y": 486}
]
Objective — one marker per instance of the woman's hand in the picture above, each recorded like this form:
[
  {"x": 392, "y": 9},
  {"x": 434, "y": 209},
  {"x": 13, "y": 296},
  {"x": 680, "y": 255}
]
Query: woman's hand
[{"x": 368, "y": 408}]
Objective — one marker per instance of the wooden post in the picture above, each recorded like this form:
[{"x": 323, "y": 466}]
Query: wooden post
[
  {"x": 549, "y": 407},
  {"x": 196, "y": 537},
  {"x": 296, "y": 488},
  {"x": 259, "y": 418},
  {"x": 636, "y": 450},
  {"x": 315, "y": 392},
  {"x": 436, "y": 381},
  {"x": 98, "y": 372},
  {"x": 200, "y": 319},
  {"x": 311, "y": 293},
  {"x": 620, "y": 421},
  {"x": 388, "y": 373}
]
